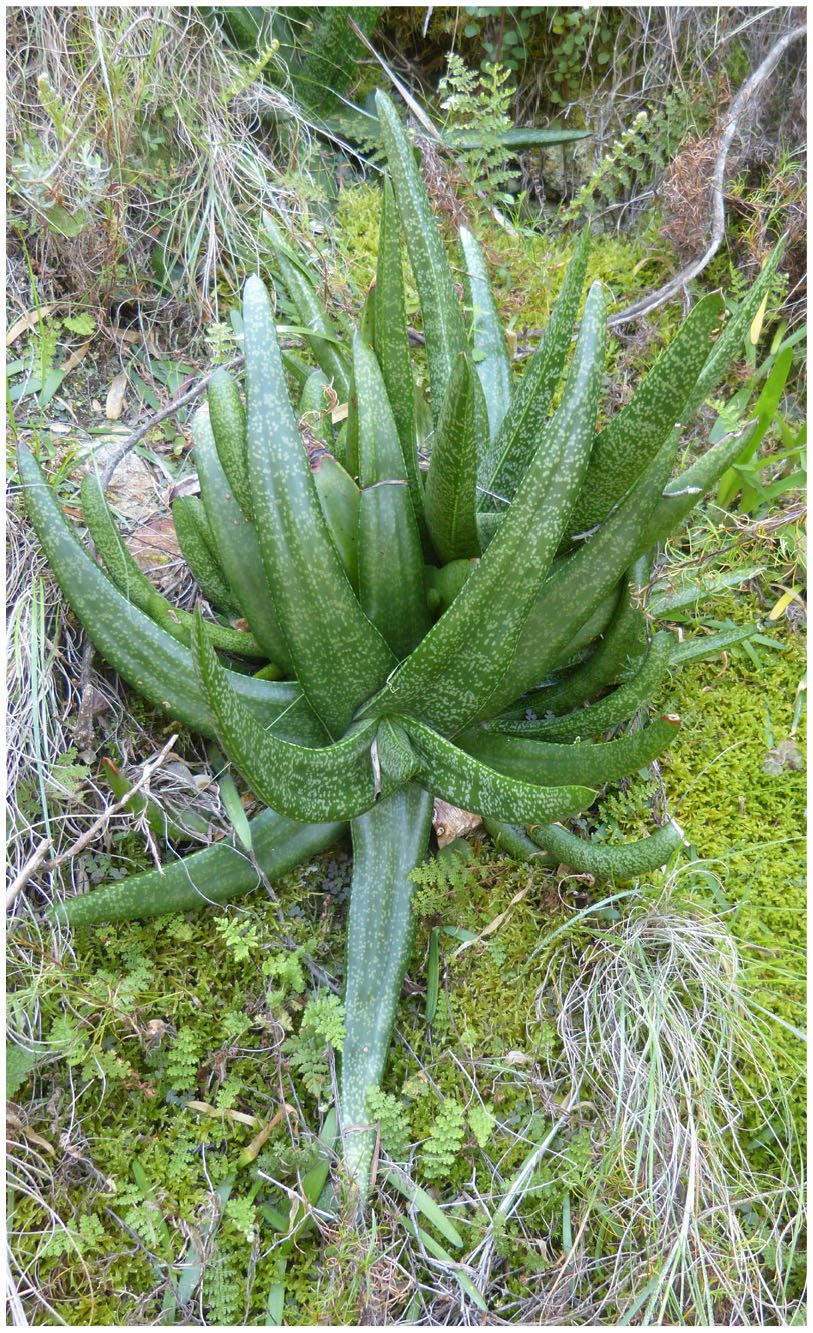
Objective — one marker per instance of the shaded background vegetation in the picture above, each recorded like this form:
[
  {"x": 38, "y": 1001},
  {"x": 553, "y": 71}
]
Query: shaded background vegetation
[{"x": 143, "y": 145}]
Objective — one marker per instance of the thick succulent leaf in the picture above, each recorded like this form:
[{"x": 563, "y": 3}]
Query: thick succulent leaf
[
  {"x": 389, "y": 841},
  {"x": 624, "y": 861},
  {"x": 519, "y": 136},
  {"x": 396, "y": 758},
  {"x": 390, "y": 556},
  {"x": 614, "y": 708},
  {"x": 215, "y": 875},
  {"x": 443, "y": 585},
  {"x": 320, "y": 784},
  {"x": 313, "y": 408},
  {"x": 391, "y": 345},
  {"x": 730, "y": 343},
  {"x": 553, "y": 765},
  {"x": 580, "y": 583},
  {"x": 625, "y": 638},
  {"x": 635, "y": 434},
  {"x": 148, "y": 658},
  {"x": 442, "y": 317},
  {"x": 237, "y": 546},
  {"x": 196, "y": 542},
  {"x": 340, "y": 499},
  {"x": 129, "y": 579},
  {"x": 514, "y": 841},
  {"x": 228, "y": 421},
  {"x": 464, "y": 781},
  {"x": 339, "y": 657},
  {"x": 707, "y": 645},
  {"x": 312, "y": 313},
  {"x": 506, "y": 461},
  {"x": 460, "y": 663},
  {"x": 687, "y": 490},
  {"x": 451, "y": 484},
  {"x": 487, "y": 336}
]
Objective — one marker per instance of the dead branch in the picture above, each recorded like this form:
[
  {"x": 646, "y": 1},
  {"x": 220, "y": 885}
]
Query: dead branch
[{"x": 738, "y": 107}]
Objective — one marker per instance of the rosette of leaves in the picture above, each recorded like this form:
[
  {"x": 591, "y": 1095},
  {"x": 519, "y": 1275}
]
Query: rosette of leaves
[{"x": 464, "y": 632}]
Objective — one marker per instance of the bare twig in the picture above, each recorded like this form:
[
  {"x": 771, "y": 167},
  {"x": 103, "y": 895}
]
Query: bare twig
[
  {"x": 740, "y": 103},
  {"x": 87, "y": 837}
]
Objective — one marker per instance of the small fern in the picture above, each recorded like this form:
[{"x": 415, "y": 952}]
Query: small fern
[
  {"x": 182, "y": 1060},
  {"x": 242, "y": 1216},
  {"x": 441, "y": 1149},
  {"x": 438, "y": 881},
  {"x": 481, "y": 1120},
  {"x": 240, "y": 937},
  {"x": 321, "y": 1029},
  {"x": 286, "y": 969},
  {"x": 390, "y": 1115},
  {"x": 223, "y": 1288},
  {"x": 477, "y": 107}
]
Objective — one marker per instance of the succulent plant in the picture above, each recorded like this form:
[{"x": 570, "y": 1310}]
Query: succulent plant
[{"x": 463, "y": 632}]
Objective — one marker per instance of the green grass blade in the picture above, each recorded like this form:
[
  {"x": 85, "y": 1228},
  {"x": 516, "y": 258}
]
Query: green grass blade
[{"x": 424, "y": 1203}]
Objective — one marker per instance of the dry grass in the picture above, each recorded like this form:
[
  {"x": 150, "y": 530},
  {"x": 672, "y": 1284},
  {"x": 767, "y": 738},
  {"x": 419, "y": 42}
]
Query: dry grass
[{"x": 138, "y": 138}]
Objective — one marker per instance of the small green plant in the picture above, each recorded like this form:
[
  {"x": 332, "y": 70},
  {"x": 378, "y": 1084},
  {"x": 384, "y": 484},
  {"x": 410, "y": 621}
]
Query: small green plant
[
  {"x": 505, "y": 42},
  {"x": 360, "y": 696},
  {"x": 322, "y": 1026},
  {"x": 477, "y": 107},
  {"x": 441, "y": 1150},
  {"x": 580, "y": 34},
  {"x": 761, "y": 477},
  {"x": 393, "y": 1126}
]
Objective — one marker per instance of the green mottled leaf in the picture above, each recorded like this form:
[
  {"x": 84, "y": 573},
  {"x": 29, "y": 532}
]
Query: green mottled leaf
[
  {"x": 391, "y": 344},
  {"x": 390, "y": 558},
  {"x": 320, "y": 784},
  {"x": 488, "y": 338},
  {"x": 635, "y": 434},
  {"x": 505, "y": 463},
  {"x": 451, "y": 484},
  {"x": 466, "y": 782},
  {"x": 553, "y": 765},
  {"x": 339, "y": 657},
  {"x": 459, "y": 665},
  {"x": 442, "y": 319}
]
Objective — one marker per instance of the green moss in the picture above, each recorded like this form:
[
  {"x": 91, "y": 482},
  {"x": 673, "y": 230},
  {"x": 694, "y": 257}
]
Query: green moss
[{"x": 744, "y": 814}]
